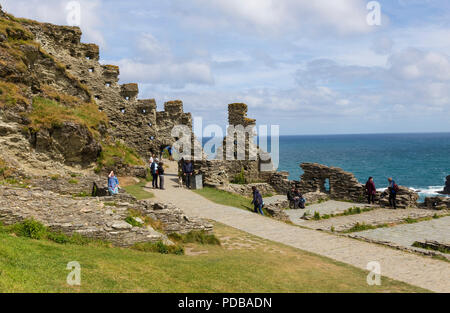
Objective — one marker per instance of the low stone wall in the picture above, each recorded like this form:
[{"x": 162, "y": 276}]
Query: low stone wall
[
  {"x": 98, "y": 218},
  {"x": 276, "y": 206},
  {"x": 406, "y": 198},
  {"x": 246, "y": 190},
  {"x": 437, "y": 203}
]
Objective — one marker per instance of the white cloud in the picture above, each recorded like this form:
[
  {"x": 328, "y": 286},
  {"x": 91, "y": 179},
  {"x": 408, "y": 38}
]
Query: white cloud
[
  {"x": 269, "y": 16},
  {"x": 176, "y": 75}
]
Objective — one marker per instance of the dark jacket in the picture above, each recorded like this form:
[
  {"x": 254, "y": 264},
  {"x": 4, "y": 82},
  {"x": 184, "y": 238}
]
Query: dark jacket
[
  {"x": 160, "y": 170},
  {"x": 370, "y": 188},
  {"x": 291, "y": 195},
  {"x": 257, "y": 198},
  {"x": 188, "y": 168},
  {"x": 154, "y": 167}
]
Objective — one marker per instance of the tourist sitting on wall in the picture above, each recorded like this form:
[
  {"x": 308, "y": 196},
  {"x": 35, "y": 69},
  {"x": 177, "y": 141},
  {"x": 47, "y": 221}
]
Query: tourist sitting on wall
[
  {"x": 299, "y": 200},
  {"x": 154, "y": 171},
  {"x": 188, "y": 170},
  {"x": 113, "y": 184},
  {"x": 371, "y": 190},
  {"x": 161, "y": 174},
  {"x": 257, "y": 201},
  {"x": 291, "y": 198}
]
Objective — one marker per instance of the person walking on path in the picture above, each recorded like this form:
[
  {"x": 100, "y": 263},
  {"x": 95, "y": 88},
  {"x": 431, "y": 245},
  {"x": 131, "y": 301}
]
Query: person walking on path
[
  {"x": 154, "y": 170},
  {"x": 257, "y": 201},
  {"x": 393, "y": 189},
  {"x": 161, "y": 175},
  {"x": 188, "y": 169},
  {"x": 113, "y": 184},
  {"x": 371, "y": 190}
]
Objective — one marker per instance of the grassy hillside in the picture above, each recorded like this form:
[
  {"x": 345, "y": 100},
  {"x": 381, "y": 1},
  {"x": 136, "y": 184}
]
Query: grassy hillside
[{"x": 243, "y": 263}]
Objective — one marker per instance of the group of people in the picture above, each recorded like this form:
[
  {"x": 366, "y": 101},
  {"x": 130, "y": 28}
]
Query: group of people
[
  {"x": 393, "y": 189},
  {"x": 296, "y": 200},
  {"x": 157, "y": 171}
]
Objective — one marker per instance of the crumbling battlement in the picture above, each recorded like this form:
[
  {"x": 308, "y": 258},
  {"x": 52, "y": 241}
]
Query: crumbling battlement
[{"x": 132, "y": 120}]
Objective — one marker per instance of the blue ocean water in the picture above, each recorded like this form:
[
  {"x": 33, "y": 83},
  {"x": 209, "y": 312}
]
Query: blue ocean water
[{"x": 418, "y": 161}]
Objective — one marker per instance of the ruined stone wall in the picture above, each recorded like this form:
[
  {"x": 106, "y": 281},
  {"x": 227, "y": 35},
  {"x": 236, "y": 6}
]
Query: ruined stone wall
[
  {"x": 342, "y": 185},
  {"x": 134, "y": 121},
  {"x": 225, "y": 168}
]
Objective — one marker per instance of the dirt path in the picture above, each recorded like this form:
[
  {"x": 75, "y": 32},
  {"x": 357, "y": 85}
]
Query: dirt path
[{"x": 414, "y": 269}]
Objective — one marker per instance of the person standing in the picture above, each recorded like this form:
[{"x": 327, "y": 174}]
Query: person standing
[
  {"x": 113, "y": 184},
  {"x": 257, "y": 201},
  {"x": 188, "y": 169},
  {"x": 371, "y": 190},
  {"x": 161, "y": 175},
  {"x": 393, "y": 189},
  {"x": 154, "y": 170}
]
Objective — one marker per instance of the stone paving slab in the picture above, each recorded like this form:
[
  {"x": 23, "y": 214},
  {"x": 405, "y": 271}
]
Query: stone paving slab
[
  {"x": 406, "y": 234},
  {"x": 328, "y": 207},
  {"x": 375, "y": 217}
]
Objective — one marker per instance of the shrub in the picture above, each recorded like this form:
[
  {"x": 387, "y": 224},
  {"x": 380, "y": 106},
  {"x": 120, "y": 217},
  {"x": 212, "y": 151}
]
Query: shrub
[
  {"x": 31, "y": 229},
  {"x": 159, "y": 247},
  {"x": 130, "y": 220},
  {"x": 73, "y": 181},
  {"x": 200, "y": 237},
  {"x": 316, "y": 216},
  {"x": 240, "y": 178}
]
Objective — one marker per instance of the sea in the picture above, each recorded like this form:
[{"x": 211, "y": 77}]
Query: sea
[{"x": 418, "y": 161}]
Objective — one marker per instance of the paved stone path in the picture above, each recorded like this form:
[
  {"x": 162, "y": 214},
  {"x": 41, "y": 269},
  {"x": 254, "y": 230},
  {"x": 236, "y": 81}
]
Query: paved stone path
[
  {"x": 406, "y": 234},
  {"x": 376, "y": 217},
  {"x": 414, "y": 269}
]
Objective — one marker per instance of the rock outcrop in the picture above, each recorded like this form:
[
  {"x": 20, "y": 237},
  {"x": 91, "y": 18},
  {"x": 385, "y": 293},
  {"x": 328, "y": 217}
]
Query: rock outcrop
[
  {"x": 446, "y": 190},
  {"x": 406, "y": 198},
  {"x": 97, "y": 218}
]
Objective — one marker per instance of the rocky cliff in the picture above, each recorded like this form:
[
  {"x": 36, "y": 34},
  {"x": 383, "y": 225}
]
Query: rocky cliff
[{"x": 61, "y": 108}]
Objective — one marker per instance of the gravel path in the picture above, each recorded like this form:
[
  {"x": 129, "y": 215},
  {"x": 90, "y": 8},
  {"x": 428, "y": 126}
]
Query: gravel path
[{"x": 414, "y": 269}]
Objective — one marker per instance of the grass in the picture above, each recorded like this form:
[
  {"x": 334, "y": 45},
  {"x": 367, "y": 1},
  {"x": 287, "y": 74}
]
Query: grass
[
  {"x": 350, "y": 211},
  {"x": 228, "y": 198},
  {"x": 115, "y": 153},
  {"x": 200, "y": 237},
  {"x": 47, "y": 113},
  {"x": 442, "y": 249},
  {"x": 138, "y": 191},
  {"x": 11, "y": 94},
  {"x": 361, "y": 227},
  {"x": 40, "y": 266}
]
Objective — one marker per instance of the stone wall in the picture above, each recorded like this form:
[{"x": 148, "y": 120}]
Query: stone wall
[
  {"x": 228, "y": 165},
  {"x": 97, "y": 218},
  {"x": 246, "y": 190},
  {"x": 342, "y": 185},
  {"x": 136, "y": 122}
]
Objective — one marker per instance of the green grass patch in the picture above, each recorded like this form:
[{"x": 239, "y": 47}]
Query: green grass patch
[
  {"x": 200, "y": 237},
  {"x": 422, "y": 245},
  {"x": 138, "y": 191},
  {"x": 361, "y": 227},
  {"x": 132, "y": 221},
  {"x": 48, "y": 113},
  {"x": 40, "y": 266},
  {"x": 117, "y": 153},
  {"x": 159, "y": 247},
  {"x": 228, "y": 198}
]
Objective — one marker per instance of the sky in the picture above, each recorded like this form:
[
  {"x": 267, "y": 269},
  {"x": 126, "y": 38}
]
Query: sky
[{"x": 312, "y": 67}]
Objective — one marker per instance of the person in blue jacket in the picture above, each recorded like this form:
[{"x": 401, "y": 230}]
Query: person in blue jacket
[
  {"x": 257, "y": 201},
  {"x": 113, "y": 184},
  {"x": 393, "y": 189}
]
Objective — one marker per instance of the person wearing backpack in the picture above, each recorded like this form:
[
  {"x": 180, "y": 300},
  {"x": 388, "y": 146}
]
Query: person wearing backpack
[
  {"x": 154, "y": 170},
  {"x": 257, "y": 201},
  {"x": 393, "y": 189}
]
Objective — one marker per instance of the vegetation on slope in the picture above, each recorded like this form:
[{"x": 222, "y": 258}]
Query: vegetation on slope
[
  {"x": 117, "y": 153},
  {"x": 40, "y": 266}
]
